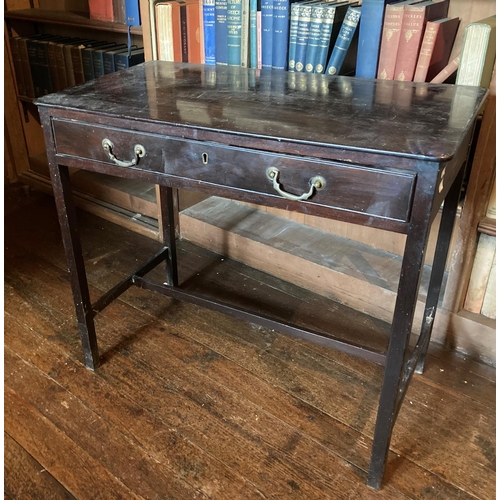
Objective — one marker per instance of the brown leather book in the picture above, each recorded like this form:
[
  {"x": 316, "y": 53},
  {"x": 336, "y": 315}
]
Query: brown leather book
[
  {"x": 436, "y": 48},
  {"x": 415, "y": 18},
  {"x": 391, "y": 32},
  {"x": 193, "y": 31},
  {"x": 176, "y": 31}
]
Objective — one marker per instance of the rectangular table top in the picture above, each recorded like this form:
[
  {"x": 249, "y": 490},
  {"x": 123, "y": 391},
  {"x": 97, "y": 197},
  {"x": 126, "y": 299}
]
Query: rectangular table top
[{"x": 413, "y": 120}]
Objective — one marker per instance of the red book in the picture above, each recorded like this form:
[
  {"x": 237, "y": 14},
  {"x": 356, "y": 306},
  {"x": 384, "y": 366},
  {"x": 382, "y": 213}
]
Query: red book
[
  {"x": 447, "y": 71},
  {"x": 415, "y": 18},
  {"x": 391, "y": 32},
  {"x": 101, "y": 9},
  {"x": 436, "y": 48}
]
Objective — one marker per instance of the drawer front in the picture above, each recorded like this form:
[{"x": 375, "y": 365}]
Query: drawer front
[{"x": 371, "y": 191}]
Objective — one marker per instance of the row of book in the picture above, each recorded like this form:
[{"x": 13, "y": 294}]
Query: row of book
[
  {"x": 47, "y": 63},
  {"x": 116, "y": 11},
  {"x": 408, "y": 40}
]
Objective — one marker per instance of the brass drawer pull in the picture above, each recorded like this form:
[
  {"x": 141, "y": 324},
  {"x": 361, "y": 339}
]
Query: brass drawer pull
[
  {"x": 139, "y": 152},
  {"x": 317, "y": 182}
]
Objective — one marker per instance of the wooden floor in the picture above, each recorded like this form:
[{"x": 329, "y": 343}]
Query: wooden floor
[{"x": 193, "y": 404}]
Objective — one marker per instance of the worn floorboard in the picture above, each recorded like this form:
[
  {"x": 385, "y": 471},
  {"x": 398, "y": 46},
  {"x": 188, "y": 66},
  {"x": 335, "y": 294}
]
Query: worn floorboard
[{"x": 190, "y": 403}]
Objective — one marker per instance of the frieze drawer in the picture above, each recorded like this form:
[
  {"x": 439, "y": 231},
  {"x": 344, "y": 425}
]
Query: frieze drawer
[{"x": 371, "y": 191}]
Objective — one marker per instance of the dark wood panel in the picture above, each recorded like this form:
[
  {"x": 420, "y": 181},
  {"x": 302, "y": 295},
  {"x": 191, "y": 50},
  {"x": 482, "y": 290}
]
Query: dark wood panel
[{"x": 367, "y": 190}]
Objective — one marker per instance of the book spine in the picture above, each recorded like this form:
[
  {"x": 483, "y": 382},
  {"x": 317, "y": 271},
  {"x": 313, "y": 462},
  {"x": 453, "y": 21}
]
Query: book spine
[
  {"x": 61, "y": 68},
  {"x": 370, "y": 30},
  {"x": 200, "y": 37},
  {"x": 98, "y": 64},
  {"x": 209, "y": 31},
  {"x": 409, "y": 43},
  {"x": 26, "y": 67},
  {"x": 314, "y": 38},
  {"x": 391, "y": 33},
  {"x": 343, "y": 41},
  {"x": 424, "y": 58},
  {"x": 35, "y": 72},
  {"x": 176, "y": 32},
  {"x": 18, "y": 70},
  {"x": 132, "y": 15},
  {"x": 119, "y": 11},
  {"x": 267, "y": 33},
  {"x": 121, "y": 61},
  {"x": 221, "y": 32},
  {"x": 76, "y": 59},
  {"x": 193, "y": 32},
  {"x": 108, "y": 62},
  {"x": 281, "y": 15},
  {"x": 68, "y": 64},
  {"x": 87, "y": 64},
  {"x": 292, "y": 45},
  {"x": 54, "y": 75},
  {"x": 447, "y": 71},
  {"x": 44, "y": 68},
  {"x": 259, "y": 35},
  {"x": 245, "y": 33},
  {"x": 102, "y": 10},
  {"x": 253, "y": 33},
  {"x": 233, "y": 32},
  {"x": 324, "y": 40},
  {"x": 184, "y": 34},
  {"x": 302, "y": 37}
]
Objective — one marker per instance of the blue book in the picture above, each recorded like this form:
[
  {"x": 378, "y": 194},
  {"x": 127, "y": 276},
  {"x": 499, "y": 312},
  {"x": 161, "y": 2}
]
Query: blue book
[
  {"x": 370, "y": 31},
  {"x": 253, "y": 33},
  {"x": 132, "y": 16},
  {"x": 303, "y": 26},
  {"x": 281, "y": 15},
  {"x": 123, "y": 60},
  {"x": 333, "y": 15},
  {"x": 267, "y": 33},
  {"x": 109, "y": 60},
  {"x": 233, "y": 32},
  {"x": 314, "y": 38},
  {"x": 343, "y": 41},
  {"x": 87, "y": 62},
  {"x": 292, "y": 44},
  {"x": 221, "y": 32},
  {"x": 209, "y": 31},
  {"x": 98, "y": 58}
]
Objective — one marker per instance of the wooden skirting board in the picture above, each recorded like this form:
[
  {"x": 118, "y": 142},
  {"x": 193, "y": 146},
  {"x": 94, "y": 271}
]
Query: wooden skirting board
[{"x": 356, "y": 274}]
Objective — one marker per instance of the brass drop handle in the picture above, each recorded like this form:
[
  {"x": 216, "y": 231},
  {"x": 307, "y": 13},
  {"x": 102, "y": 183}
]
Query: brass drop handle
[
  {"x": 317, "y": 182},
  {"x": 139, "y": 152}
]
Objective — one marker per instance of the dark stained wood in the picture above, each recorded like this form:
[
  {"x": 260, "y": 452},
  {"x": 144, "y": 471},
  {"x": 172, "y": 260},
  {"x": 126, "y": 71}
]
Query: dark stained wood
[
  {"x": 267, "y": 105},
  {"x": 272, "y": 107},
  {"x": 377, "y": 192},
  {"x": 26, "y": 478},
  {"x": 66, "y": 18},
  {"x": 198, "y": 380}
]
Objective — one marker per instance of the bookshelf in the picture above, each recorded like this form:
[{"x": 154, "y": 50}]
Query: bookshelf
[
  {"x": 129, "y": 203},
  {"x": 25, "y": 156}
]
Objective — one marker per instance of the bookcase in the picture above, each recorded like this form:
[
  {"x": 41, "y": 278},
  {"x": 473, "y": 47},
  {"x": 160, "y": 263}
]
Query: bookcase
[
  {"x": 128, "y": 203},
  {"x": 133, "y": 204}
]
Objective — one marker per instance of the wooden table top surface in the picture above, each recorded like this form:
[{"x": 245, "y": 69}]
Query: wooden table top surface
[{"x": 421, "y": 121}]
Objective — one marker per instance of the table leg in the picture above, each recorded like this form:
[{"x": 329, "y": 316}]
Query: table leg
[
  {"x": 408, "y": 287},
  {"x": 169, "y": 221},
  {"x": 440, "y": 256},
  {"x": 71, "y": 239}
]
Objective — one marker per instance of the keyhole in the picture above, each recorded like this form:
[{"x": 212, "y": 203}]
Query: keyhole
[{"x": 204, "y": 158}]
